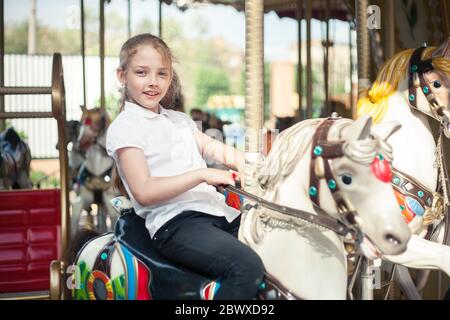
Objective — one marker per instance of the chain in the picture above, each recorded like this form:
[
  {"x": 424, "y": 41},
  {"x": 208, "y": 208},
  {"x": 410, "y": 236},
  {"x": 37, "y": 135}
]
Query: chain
[{"x": 441, "y": 169}]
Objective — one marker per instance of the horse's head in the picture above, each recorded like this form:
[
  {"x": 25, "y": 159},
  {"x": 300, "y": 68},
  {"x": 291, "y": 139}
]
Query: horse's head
[
  {"x": 93, "y": 123},
  {"x": 349, "y": 178},
  {"x": 357, "y": 187},
  {"x": 421, "y": 76},
  {"x": 428, "y": 83}
]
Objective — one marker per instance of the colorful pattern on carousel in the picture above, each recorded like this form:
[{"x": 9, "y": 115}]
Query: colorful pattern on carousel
[
  {"x": 413, "y": 198},
  {"x": 88, "y": 280},
  {"x": 209, "y": 291},
  {"x": 233, "y": 200},
  {"x": 99, "y": 285},
  {"x": 410, "y": 207},
  {"x": 138, "y": 277}
]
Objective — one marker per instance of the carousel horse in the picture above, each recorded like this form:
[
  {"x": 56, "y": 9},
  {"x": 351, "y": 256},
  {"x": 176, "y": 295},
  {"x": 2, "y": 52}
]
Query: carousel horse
[
  {"x": 75, "y": 155},
  {"x": 15, "y": 159},
  {"x": 413, "y": 88},
  {"x": 94, "y": 175},
  {"x": 348, "y": 190}
]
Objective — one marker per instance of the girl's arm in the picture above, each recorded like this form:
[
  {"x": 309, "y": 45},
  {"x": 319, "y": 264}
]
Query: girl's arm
[
  {"x": 148, "y": 190},
  {"x": 220, "y": 152}
]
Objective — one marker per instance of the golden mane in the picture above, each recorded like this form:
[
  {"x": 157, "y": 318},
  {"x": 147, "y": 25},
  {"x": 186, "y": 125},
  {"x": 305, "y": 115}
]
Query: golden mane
[{"x": 374, "y": 101}]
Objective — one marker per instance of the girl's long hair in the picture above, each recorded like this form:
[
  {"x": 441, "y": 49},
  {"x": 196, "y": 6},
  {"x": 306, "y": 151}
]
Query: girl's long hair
[{"x": 173, "y": 96}]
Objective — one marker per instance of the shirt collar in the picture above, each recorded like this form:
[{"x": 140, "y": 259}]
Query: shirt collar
[{"x": 143, "y": 111}]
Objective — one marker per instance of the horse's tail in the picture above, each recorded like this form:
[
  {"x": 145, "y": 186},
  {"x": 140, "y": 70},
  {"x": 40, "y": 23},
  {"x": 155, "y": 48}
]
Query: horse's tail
[{"x": 78, "y": 241}]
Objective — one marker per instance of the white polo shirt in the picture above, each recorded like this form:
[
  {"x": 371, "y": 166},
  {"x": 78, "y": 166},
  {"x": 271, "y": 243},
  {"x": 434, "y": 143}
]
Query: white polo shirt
[{"x": 170, "y": 149}]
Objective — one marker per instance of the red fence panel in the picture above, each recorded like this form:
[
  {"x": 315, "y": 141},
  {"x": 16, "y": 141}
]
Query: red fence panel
[{"x": 30, "y": 225}]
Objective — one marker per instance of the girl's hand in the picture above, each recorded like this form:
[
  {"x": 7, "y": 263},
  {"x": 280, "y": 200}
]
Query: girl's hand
[{"x": 217, "y": 177}]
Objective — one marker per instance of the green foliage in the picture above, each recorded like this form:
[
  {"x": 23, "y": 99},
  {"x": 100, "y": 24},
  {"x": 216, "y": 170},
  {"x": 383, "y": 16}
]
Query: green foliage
[
  {"x": 211, "y": 81},
  {"x": 111, "y": 104},
  {"x": 189, "y": 45},
  {"x": 41, "y": 180}
]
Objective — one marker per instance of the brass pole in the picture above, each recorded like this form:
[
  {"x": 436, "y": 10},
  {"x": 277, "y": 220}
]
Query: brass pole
[
  {"x": 363, "y": 45},
  {"x": 59, "y": 112},
  {"x": 309, "y": 106},
  {"x": 254, "y": 82},
  {"x": 326, "y": 59},
  {"x": 299, "y": 65}
]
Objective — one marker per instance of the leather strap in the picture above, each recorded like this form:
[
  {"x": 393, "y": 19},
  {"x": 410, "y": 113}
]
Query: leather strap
[
  {"x": 321, "y": 147},
  {"x": 410, "y": 187}
]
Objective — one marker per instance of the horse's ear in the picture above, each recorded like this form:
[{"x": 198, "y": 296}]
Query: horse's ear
[
  {"x": 386, "y": 129},
  {"x": 83, "y": 108},
  {"x": 443, "y": 50},
  {"x": 358, "y": 130}
]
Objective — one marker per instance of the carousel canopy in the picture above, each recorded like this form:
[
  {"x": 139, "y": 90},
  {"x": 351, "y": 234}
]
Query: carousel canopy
[{"x": 338, "y": 9}]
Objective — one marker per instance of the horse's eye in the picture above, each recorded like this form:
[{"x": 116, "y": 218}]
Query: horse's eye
[
  {"x": 437, "y": 84},
  {"x": 346, "y": 179}
]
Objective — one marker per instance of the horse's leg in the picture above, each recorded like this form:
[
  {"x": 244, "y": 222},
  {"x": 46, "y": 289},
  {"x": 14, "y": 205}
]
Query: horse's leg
[
  {"x": 423, "y": 254},
  {"x": 23, "y": 180},
  {"x": 82, "y": 201}
]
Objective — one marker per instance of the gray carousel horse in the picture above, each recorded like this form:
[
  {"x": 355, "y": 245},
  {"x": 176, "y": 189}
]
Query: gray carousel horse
[
  {"x": 93, "y": 180},
  {"x": 15, "y": 159}
]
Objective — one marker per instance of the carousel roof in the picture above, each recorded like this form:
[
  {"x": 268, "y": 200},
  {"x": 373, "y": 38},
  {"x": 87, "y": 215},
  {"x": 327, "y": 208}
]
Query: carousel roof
[{"x": 341, "y": 10}]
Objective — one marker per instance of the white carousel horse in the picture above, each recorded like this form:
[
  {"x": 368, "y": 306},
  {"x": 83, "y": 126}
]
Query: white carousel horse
[
  {"x": 94, "y": 175},
  {"x": 307, "y": 259},
  {"x": 413, "y": 91},
  {"x": 307, "y": 263}
]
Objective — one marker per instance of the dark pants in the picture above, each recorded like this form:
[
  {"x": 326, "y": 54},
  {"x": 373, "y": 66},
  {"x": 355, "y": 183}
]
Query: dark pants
[{"x": 208, "y": 245}]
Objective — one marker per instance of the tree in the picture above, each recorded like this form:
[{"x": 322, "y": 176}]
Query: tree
[{"x": 211, "y": 81}]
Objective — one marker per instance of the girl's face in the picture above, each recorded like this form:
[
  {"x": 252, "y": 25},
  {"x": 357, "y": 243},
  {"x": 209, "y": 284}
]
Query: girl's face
[{"x": 147, "y": 77}]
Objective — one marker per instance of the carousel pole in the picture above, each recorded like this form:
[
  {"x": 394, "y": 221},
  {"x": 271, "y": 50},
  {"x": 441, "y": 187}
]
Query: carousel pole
[
  {"x": 363, "y": 52},
  {"x": 299, "y": 64},
  {"x": 83, "y": 51},
  {"x": 326, "y": 59},
  {"x": 254, "y": 84},
  {"x": 129, "y": 18},
  {"x": 160, "y": 19},
  {"x": 363, "y": 45},
  {"x": 350, "y": 47},
  {"x": 2, "y": 62},
  {"x": 102, "y": 54},
  {"x": 390, "y": 30},
  {"x": 309, "y": 89}
]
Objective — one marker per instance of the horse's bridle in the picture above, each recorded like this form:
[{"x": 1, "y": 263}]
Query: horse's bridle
[
  {"x": 328, "y": 151},
  {"x": 322, "y": 153},
  {"x": 416, "y": 80}
]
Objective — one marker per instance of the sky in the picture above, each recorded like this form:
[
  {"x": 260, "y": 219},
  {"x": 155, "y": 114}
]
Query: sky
[{"x": 280, "y": 33}]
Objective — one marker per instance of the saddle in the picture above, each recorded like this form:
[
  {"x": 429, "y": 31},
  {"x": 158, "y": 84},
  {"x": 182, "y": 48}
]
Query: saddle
[{"x": 167, "y": 280}]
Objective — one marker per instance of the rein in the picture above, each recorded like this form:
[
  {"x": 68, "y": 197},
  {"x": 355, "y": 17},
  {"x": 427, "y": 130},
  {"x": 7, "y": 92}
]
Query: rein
[
  {"x": 322, "y": 153},
  {"x": 321, "y": 220},
  {"x": 416, "y": 80}
]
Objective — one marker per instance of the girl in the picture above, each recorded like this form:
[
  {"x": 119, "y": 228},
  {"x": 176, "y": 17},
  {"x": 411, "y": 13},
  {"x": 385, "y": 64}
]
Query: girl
[{"x": 158, "y": 155}]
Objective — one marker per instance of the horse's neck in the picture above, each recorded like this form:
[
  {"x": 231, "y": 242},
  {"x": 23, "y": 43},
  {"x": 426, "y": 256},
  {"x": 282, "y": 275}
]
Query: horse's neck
[
  {"x": 310, "y": 263},
  {"x": 97, "y": 161},
  {"x": 101, "y": 139},
  {"x": 414, "y": 146}
]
